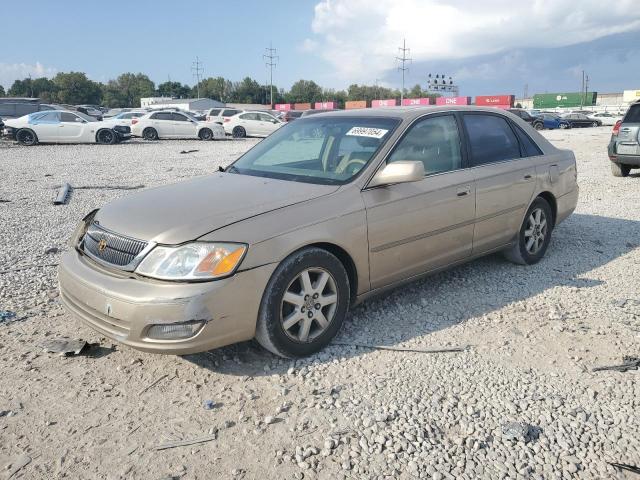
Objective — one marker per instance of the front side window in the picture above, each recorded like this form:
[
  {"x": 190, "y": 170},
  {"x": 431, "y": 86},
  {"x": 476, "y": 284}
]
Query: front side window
[
  {"x": 491, "y": 139},
  {"x": 161, "y": 116},
  {"x": 214, "y": 112},
  {"x": 328, "y": 151},
  {"x": 249, "y": 116},
  {"x": 435, "y": 142},
  {"x": 69, "y": 117},
  {"x": 177, "y": 117},
  {"x": 265, "y": 118}
]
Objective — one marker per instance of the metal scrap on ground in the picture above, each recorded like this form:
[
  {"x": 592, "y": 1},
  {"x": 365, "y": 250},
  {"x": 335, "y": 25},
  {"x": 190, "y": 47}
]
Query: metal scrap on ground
[
  {"x": 402, "y": 349},
  {"x": 624, "y": 466},
  {"x": 153, "y": 384},
  {"x": 64, "y": 346},
  {"x": 189, "y": 151},
  {"x": 184, "y": 443},
  {"x": 63, "y": 194},
  {"x": 629, "y": 363}
]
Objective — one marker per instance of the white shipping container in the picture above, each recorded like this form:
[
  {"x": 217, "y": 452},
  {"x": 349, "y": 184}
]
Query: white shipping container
[{"x": 629, "y": 96}]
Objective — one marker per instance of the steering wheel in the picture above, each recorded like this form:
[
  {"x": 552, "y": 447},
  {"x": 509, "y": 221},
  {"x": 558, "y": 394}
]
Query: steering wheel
[{"x": 352, "y": 166}]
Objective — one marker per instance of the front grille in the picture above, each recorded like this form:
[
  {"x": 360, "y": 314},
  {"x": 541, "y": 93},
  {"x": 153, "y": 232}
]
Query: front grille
[
  {"x": 122, "y": 129},
  {"x": 116, "y": 249}
]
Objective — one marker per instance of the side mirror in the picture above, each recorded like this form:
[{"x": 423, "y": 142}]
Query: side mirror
[{"x": 398, "y": 172}]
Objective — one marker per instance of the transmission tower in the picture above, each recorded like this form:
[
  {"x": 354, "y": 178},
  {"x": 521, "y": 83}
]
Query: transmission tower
[
  {"x": 403, "y": 59},
  {"x": 271, "y": 59},
  {"x": 197, "y": 70}
]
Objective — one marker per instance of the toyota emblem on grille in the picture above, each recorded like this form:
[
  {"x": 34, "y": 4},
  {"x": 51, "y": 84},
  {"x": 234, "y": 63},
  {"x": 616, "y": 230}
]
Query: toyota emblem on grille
[{"x": 102, "y": 244}]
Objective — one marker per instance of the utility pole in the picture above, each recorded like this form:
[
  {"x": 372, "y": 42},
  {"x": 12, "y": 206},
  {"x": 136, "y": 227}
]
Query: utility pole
[
  {"x": 271, "y": 59},
  {"x": 403, "y": 59},
  {"x": 197, "y": 70},
  {"x": 526, "y": 91},
  {"x": 586, "y": 85},
  {"x": 582, "y": 95}
]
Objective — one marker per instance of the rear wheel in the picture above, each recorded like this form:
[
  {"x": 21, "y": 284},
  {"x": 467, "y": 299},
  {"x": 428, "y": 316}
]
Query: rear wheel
[
  {"x": 595, "y": 124},
  {"x": 538, "y": 126},
  {"x": 620, "y": 170},
  {"x": 150, "y": 134},
  {"x": 106, "y": 137},
  {"x": 26, "y": 136},
  {"x": 304, "y": 304},
  {"x": 239, "y": 132},
  {"x": 534, "y": 235},
  {"x": 206, "y": 134}
]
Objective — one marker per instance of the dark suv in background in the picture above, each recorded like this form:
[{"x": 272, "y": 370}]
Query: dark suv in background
[{"x": 624, "y": 147}]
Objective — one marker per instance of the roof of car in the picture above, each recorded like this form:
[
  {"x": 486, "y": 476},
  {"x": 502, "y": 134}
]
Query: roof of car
[{"x": 408, "y": 112}]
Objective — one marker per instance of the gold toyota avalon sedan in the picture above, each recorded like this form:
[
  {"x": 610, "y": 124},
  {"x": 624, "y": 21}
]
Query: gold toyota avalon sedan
[{"x": 325, "y": 212}]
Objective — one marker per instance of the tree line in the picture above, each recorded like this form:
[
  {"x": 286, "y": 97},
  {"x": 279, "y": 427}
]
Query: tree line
[{"x": 126, "y": 90}]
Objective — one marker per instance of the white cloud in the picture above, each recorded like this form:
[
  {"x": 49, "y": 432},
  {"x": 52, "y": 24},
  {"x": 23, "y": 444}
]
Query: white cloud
[
  {"x": 9, "y": 72},
  {"x": 308, "y": 45},
  {"x": 360, "y": 38}
]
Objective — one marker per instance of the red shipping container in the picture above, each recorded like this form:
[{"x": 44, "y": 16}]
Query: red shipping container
[
  {"x": 391, "y": 102},
  {"x": 282, "y": 107},
  {"x": 500, "y": 101},
  {"x": 355, "y": 104},
  {"x": 407, "y": 102},
  {"x": 325, "y": 105},
  {"x": 453, "y": 101}
]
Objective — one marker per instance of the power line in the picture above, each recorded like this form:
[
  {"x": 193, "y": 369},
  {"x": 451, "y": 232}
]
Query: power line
[
  {"x": 271, "y": 59},
  {"x": 198, "y": 70},
  {"x": 403, "y": 59}
]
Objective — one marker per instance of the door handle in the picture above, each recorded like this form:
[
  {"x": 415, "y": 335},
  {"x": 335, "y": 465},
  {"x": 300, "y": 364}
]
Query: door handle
[
  {"x": 464, "y": 191},
  {"x": 527, "y": 176}
]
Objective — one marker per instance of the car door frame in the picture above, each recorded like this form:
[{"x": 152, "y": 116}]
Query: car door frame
[
  {"x": 465, "y": 228},
  {"x": 163, "y": 127},
  {"x": 182, "y": 128},
  {"x": 82, "y": 132},
  {"x": 515, "y": 212}
]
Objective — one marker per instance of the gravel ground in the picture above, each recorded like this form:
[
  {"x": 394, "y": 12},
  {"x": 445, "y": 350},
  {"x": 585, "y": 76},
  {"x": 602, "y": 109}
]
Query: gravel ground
[{"x": 534, "y": 335}]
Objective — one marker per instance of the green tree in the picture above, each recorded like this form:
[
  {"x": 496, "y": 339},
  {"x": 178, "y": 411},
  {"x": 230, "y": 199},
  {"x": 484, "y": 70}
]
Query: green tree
[
  {"x": 21, "y": 88},
  {"x": 174, "y": 89},
  {"x": 2, "y": 93},
  {"x": 217, "y": 88},
  {"x": 127, "y": 89},
  {"x": 304, "y": 91},
  {"x": 75, "y": 88},
  {"x": 246, "y": 91}
]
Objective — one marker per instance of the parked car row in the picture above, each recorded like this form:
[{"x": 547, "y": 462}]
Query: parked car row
[{"x": 541, "y": 120}]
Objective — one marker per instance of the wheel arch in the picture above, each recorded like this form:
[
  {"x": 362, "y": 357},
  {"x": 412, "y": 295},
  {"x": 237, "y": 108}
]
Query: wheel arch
[
  {"x": 551, "y": 200},
  {"x": 102, "y": 129}
]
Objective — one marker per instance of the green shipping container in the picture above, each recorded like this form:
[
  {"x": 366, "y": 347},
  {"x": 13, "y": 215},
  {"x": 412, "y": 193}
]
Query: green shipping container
[{"x": 575, "y": 99}]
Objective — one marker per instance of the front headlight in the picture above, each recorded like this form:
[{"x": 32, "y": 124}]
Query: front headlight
[{"x": 193, "y": 261}]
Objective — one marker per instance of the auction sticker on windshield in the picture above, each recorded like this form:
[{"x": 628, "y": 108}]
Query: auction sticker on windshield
[{"x": 367, "y": 132}]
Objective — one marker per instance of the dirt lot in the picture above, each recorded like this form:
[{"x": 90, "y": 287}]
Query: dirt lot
[{"x": 534, "y": 335}]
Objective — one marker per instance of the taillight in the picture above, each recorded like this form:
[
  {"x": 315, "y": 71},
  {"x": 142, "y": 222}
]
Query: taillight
[
  {"x": 227, "y": 119},
  {"x": 134, "y": 121},
  {"x": 616, "y": 128}
]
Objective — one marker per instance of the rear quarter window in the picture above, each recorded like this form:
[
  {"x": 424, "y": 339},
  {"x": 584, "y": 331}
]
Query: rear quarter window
[
  {"x": 529, "y": 147},
  {"x": 490, "y": 138}
]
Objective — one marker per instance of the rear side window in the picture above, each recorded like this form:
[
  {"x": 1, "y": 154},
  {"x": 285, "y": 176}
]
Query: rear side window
[
  {"x": 229, "y": 113},
  {"x": 161, "y": 116},
  {"x": 214, "y": 112},
  {"x": 633, "y": 115},
  {"x": 529, "y": 147},
  {"x": 50, "y": 117},
  {"x": 491, "y": 139},
  {"x": 179, "y": 118},
  {"x": 249, "y": 116}
]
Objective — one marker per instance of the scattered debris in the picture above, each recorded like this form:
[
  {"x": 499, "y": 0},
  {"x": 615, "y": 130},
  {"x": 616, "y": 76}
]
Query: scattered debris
[
  {"x": 520, "y": 431},
  {"x": 21, "y": 462},
  {"x": 27, "y": 267},
  {"x": 7, "y": 315},
  {"x": 64, "y": 346},
  {"x": 629, "y": 363},
  {"x": 109, "y": 187},
  {"x": 184, "y": 443},
  {"x": 189, "y": 151},
  {"x": 63, "y": 194},
  {"x": 51, "y": 250},
  {"x": 151, "y": 385},
  {"x": 2, "y": 200},
  {"x": 401, "y": 349},
  {"x": 268, "y": 420},
  {"x": 208, "y": 404},
  {"x": 624, "y": 466}
]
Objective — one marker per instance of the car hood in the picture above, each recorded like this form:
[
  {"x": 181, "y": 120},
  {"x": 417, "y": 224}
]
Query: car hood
[{"x": 185, "y": 211}]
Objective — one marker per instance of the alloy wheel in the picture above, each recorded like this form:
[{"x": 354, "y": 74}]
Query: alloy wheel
[
  {"x": 309, "y": 305},
  {"x": 536, "y": 231}
]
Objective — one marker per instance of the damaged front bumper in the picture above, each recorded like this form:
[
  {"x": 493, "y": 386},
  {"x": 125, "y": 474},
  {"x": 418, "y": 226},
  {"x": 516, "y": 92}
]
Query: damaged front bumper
[{"x": 144, "y": 313}]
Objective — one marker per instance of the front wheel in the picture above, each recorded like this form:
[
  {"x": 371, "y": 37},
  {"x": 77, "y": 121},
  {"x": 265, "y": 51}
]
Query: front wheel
[
  {"x": 150, "y": 134},
  {"x": 534, "y": 235},
  {"x": 106, "y": 137},
  {"x": 564, "y": 125},
  {"x": 595, "y": 124},
  {"x": 26, "y": 137},
  {"x": 620, "y": 170},
  {"x": 206, "y": 134},
  {"x": 304, "y": 304},
  {"x": 239, "y": 132}
]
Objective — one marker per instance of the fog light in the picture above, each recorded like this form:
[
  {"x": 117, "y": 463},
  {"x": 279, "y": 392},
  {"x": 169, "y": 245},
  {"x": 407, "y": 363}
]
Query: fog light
[{"x": 174, "y": 331}]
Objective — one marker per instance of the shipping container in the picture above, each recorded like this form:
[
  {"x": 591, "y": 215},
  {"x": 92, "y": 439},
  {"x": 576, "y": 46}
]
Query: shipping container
[
  {"x": 407, "y": 102},
  {"x": 282, "y": 107},
  {"x": 302, "y": 106},
  {"x": 453, "y": 101},
  {"x": 325, "y": 105},
  {"x": 564, "y": 100},
  {"x": 352, "y": 104},
  {"x": 390, "y": 102},
  {"x": 630, "y": 96},
  {"x": 498, "y": 101}
]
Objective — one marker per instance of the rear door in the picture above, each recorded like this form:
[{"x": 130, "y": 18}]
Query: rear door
[
  {"x": 183, "y": 126},
  {"x": 628, "y": 142},
  {"x": 163, "y": 123},
  {"x": 47, "y": 126},
  {"x": 504, "y": 176}
]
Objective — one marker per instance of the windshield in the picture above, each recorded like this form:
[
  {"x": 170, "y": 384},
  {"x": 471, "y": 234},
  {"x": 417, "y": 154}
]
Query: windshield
[{"x": 329, "y": 150}]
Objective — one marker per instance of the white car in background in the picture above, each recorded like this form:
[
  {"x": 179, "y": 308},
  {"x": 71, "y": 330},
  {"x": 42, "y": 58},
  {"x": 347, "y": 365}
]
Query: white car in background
[
  {"x": 62, "y": 126},
  {"x": 251, "y": 124},
  {"x": 606, "y": 118},
  {"x": 170, "y": 124},
  {"x": 124, "y": 118},
  {"x": 218, "y": 115}
]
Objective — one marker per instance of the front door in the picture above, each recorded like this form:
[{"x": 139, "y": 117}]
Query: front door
[
  {"x": 420, "y": 226},
  {"x": 71, "y": 128},
  {"x": 505, "y": 178},
  {"x": 182, "y": 126},
  {"x": 163, "y": 124}
]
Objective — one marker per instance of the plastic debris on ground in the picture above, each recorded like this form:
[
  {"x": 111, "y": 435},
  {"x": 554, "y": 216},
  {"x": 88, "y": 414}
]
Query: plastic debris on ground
[{"x": 64, "y": 346}]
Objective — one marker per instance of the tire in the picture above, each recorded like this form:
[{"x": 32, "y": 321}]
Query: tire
[
  {"x": 238, "y": 132},
  {"x": 205, "y": 134},
  {"x": 150, "y": 133},
  {"x": 595, "y": 124},
  {"x": 106, "y": 137},
  {"x": 538, "y": 126},
  {"x": 26, "y": 137},
  {"x": 620, "y": 170},
  {"x": 303, "y": 324},
  {"x": 534, "y": 234},
  {"x": 564, "y": 126}
]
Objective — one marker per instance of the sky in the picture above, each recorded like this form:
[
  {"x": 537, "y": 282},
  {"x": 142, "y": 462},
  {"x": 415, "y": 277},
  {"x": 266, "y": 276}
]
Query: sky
[{"x": 488, "y": 47}]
